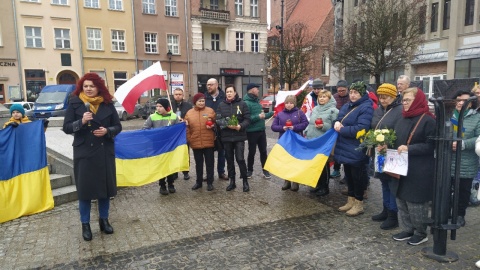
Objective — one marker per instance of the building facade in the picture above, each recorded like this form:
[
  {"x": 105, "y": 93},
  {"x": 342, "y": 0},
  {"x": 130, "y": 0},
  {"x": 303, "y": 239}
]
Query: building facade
[{"x": 9, "y": 64}]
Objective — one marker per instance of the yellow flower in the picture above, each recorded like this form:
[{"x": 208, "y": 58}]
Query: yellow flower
[
  {"x": 360, "y": 133},
  {"x": 380, "y": 138},
  {"x": 385, "y": 131}
]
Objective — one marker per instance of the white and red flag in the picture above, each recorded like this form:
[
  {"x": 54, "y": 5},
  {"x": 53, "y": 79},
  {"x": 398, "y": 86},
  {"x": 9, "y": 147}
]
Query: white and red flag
[
  {"x": 129, "y": 92},
  {"x": 281, "y": 95}
]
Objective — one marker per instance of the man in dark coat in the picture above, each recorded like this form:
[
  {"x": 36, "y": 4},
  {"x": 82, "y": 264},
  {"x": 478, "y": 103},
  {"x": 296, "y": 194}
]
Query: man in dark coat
[{"x": 181, "y": 107}]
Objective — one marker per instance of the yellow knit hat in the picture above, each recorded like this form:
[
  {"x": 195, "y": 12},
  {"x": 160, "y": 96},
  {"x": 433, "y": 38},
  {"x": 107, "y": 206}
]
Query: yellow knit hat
[{"x": 387, "y": 89}]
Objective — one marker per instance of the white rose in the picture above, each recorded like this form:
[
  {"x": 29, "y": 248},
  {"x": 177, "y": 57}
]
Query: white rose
[{"x": 380, "y": 138}]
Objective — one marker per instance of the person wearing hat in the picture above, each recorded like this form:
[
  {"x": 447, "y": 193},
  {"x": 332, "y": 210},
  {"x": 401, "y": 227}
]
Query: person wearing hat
[
  {"x": 256, "y": 135},
  {"x": 201, "y": 138},
  {"x": 341, "y": 97},
  {"x": 353, "y": 118},
  {"x": 311, "y": 99},
  {"x": 162, "y": 117},
  {"x": 385, "y": 117},
  {"x": 18, "y": 116}
]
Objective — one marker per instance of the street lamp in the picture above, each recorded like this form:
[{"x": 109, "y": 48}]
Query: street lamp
[
  {"x": 282, "y": 60},
  {"x": 169, "y": 55}
]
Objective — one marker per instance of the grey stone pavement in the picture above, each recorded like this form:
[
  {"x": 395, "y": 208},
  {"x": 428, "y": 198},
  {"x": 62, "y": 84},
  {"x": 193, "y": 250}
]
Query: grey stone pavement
[{"x": 264, "y": 229}]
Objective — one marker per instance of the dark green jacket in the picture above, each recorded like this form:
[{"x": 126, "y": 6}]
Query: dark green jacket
[{"x": 255, "y": 108}]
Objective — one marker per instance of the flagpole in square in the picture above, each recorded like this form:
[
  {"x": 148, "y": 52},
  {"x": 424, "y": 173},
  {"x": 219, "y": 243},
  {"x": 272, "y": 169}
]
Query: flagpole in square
[{"x": 169, "y": 55}]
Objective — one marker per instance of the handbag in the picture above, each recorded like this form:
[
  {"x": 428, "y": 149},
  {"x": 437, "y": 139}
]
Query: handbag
[
  {"x": 218, "y": 145},
  {"x": 395, "y": 175}
]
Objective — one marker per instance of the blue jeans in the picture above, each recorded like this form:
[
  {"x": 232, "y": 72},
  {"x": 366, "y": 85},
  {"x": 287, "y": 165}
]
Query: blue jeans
[
  {"x": 221, "y": 162},
  {"x": 85, "y": 206},
  {"x": 389, "y": 200}
]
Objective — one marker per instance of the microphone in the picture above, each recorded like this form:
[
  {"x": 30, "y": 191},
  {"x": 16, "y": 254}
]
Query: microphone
[{"x": 87, "y": 106}]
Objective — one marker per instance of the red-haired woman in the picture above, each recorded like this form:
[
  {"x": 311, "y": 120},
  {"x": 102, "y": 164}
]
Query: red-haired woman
[{"x": 94, "y": 121}]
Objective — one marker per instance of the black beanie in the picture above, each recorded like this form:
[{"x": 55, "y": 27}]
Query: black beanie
[{"x": 164, "y": 102}]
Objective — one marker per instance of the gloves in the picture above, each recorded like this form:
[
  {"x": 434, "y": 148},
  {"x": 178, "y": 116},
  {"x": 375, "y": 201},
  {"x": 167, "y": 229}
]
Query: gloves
[{"x": 12, "y": 124}]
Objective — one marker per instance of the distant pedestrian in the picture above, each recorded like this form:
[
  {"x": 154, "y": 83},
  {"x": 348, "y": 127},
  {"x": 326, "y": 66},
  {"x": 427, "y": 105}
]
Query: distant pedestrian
[
  {"x": 256, "y": 130},
  {"x": 290, "y": 118},
  {"x": 201, "y": 138},
  {"x": 17, "y": 113},
  {"x": 233, "y": 117},
  {"x": 162, "y": 117},
  {"x": 94, "y": 121},
  {"x": 181, "y": 107},
  {"x": 403, "y": 83}
]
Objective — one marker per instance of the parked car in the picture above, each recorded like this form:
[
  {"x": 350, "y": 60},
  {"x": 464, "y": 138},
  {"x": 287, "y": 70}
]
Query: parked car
[
  {"x": 123, "y": 114},
  {"x": 28, "y": 106},
  {"x": 267, "y": 103},
  {"x": 52, "y": 101},
  {"x": 149, "y": 107}
]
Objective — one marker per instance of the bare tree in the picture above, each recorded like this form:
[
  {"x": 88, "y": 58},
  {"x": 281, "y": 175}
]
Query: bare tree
[
  {"x": 380, "y": 35},
  {"x": 298, "y": 49}
]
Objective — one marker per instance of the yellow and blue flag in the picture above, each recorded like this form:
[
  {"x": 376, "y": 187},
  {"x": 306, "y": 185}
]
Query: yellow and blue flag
[
  {"x": 297, "y": 159},
  {"x": 145, "y": 156},
  {"x": 24, "y": 179}
]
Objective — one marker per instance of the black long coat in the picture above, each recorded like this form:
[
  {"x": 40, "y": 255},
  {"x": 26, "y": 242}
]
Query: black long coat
[
  {"x": 238, "y": 108},
  {"x": 417, "y": 186},
  {"x": 93, "y": 157}
]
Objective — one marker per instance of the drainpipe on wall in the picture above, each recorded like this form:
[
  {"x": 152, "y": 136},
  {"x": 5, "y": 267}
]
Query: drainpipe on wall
[
  {"x": 134, "y": 38},
  {"x": 80, "y": 47},
  {"x": 20, "y": 74},
  {"x": 188, "y": 50}
]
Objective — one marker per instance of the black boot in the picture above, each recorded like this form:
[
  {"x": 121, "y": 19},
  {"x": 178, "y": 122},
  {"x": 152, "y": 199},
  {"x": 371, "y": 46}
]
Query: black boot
[
  {"x": 286, "y": 185},
  {"x": 105, "y": 226},
  {"x": 324, "y": 190},
  {"x": 231, "y": 185},
  {"x": 246, "y": 187},
  {"x": 86, "y": 232},
  {"x": 391, "y": 222},
  {"x": 381, "y": 216}
]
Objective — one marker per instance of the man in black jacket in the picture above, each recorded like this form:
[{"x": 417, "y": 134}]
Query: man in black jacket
[{"x": 181, "y": 107}]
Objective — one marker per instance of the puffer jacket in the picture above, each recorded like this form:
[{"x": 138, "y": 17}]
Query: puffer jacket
[
  {"x": 328, "y": 112},
  {"x": 256, "y": 123},
  {"x": 360, "y": 117},
  {"x": 227, "y": 109},
  {"x": 471, "y": 131},
  {"x": 198, "y": 136},
  {"x": 298, "y": 118}
]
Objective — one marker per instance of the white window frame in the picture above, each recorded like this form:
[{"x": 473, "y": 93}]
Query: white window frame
[
  {"x": 254, "y": 8},
  {"x": 91, "y": 3},
  {"x": 239, "y": 41},
  {"x": 115, "y": 4},
  {"x": 151, "y": 45},
  {"x": 32, "y": 1},
  {"x": 60, "y": 2},
  {"x": 149, "y": 7},
  {"x": 63, "y": 38},
  {"x": 215, "y": 43},
  {"x": 94, "y": 39},
  {"x": 214, "y": 4},
  {"x": 239, "y": 7},
  {"x": 118, "y": 40},
  {"x": 255, "y": 42},
  {"x": 173, "y": 43},
  {"x": 171, "y": 8},
  {"x": 36, "y": 38}
]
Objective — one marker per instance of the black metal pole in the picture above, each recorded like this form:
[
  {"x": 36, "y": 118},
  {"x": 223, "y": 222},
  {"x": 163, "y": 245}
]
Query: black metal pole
[{"x": 281, "y": 48}]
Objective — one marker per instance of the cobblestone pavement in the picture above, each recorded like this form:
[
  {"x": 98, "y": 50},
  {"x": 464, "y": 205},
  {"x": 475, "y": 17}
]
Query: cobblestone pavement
[{"x": 264, "y": 229}]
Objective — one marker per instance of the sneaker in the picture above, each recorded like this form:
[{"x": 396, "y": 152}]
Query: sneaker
[
  {"x": 171, "y": 189},
  {"x": 163, "y": 191},
  {"x": 335, "y": 174},
  {"x": 266, "y": 174},
  {"x": 186, "y": 176},
  {"x": 402, "y": 236},
  {"x": 417, "y": 240},
  {"x": 249, "y": 174}
]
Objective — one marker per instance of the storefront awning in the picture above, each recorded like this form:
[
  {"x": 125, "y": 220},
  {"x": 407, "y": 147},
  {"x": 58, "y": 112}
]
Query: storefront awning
[
  {"x": 430, "y": 58},
  {"x": 468, "y": 53}
]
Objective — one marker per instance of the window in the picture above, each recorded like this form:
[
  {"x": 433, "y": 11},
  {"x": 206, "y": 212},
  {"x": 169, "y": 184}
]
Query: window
[
  {"x": 62, "y": 38},
  {"x": 434, "y": 18},
  {"x": 60, "y": 2},
  {"x": 33, "y": 37},
  {"x": 214, "y": 4},
  {"x": 172, "y": 44},
  {"x": 325, "y": 64},
  {"x": 94, "y": 39},
  {"x": 355, "y": 3},
  {"x": 170, "y": 7},
  {"x": 118, "y": 40},
  {"x": 34, "y": 80},
  {"x": 446, "y": 15},
  {"x": 148, "y": 6},
  {"x": 151, "y": 43},
  {"x": 115, "y": 4},
  {"x": 255, "y": 42},
  {"x": 66, "y": 59},
  {"x": 469, "y": 68},
  {"x": 469, "y": 9},
  {"x": 92, "y": 4},
  {"x": 423, "y": 19},
  {"x": 239, "y": 7},
  {"x": 239, "y": 41},
  {"x": 215, "y": 42},
  {"x": 254, "y": 8},
  {"x": 33, "y": 1},
  {"x": 119, "y": 78}
]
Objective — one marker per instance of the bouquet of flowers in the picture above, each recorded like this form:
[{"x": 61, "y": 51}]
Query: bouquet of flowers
[
  {"x": 374, "y": 138},
  {"x": 232, "y": 121}
]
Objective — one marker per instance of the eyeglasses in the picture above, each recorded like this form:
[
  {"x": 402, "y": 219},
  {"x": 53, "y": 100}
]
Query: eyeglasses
[{"x": 407, "y": 100}]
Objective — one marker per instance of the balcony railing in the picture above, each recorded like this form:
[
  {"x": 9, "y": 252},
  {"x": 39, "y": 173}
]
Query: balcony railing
[{"x": 215, "y": 14}]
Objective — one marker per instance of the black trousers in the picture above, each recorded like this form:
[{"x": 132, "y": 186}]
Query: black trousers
[
  {"x": 356, "y": 180},
  {"x": 170, "y": 179},
  {"x": 207, "y": 155},
  {"x": 235, "y": 150},
  {"x": 464, "y": 192},
  {"x": 256, "y": 138}
]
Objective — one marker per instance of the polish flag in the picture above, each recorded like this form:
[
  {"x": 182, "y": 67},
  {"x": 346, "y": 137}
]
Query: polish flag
[
  {"x": 129, "y": 92},
  {"x": 281, "y": 95}
]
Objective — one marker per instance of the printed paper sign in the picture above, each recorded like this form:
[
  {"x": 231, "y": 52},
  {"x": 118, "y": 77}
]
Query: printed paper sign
[{"x": 396, "y": 163}]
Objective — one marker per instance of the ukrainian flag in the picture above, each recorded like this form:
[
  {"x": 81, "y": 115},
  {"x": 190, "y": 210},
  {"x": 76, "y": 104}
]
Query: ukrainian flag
[
  {"x": 145, "y": 156},
  {"x": 297, "y": 159},
  {"x": 24, "y": 178}
]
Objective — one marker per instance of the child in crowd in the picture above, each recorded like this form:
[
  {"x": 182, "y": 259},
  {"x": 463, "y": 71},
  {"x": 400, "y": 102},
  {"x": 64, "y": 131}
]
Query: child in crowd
[{"x": 18, "y": 116}]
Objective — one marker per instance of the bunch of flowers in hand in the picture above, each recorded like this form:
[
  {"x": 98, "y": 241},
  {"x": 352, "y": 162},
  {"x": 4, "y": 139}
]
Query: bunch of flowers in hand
[
  {"x": 233, "y": 121},
  {"x": 374, "y": 138}
]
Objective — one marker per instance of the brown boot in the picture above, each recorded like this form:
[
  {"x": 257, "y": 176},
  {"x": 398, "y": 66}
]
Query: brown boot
[
  {"x": 286, "y": 185},
  {"x": 347, "y": 206},
  {"x": 294, "y": 186},
  {"x": 356, "y": 210}
]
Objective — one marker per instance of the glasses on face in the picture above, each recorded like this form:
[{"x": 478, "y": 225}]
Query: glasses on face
[{"x": 407, "y": 100}]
